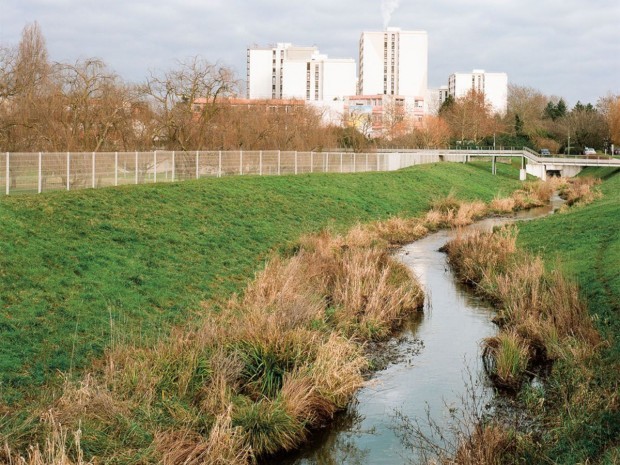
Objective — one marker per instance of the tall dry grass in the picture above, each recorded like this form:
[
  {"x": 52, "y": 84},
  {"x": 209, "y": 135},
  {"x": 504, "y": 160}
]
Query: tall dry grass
[
  {"x": 539, "y": 310},
  {"x": 58, "y": 448},
  {"x": 580, "y": 190},
  {"x": 275, "y": 362}
]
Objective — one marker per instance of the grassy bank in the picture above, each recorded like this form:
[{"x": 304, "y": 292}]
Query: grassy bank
[
  {"x": 546, "y": 320},
  {"x": 80, "y": 270},
  {"x": 583, "y": 409},
  {"x": 254, "y": 376}
]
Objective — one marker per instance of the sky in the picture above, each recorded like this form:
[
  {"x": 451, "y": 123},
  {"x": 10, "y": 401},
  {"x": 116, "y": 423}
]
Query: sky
[{"x": 564, "y": 48}]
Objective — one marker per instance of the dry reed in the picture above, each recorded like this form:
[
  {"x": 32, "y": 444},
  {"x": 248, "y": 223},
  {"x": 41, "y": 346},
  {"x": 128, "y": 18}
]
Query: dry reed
[
  {"x": 580, "y": 190},
  {"x": 540, "y": 307},
  {"x": 59, "y": 448},
  {"x": 225, "y": 445}
]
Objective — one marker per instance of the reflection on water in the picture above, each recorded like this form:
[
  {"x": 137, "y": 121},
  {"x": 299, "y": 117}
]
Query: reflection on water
[{"x": 423, "y": 378}]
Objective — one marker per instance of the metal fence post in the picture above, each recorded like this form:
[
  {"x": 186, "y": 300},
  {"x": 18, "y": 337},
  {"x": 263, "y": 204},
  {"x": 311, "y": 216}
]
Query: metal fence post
[
  {"x": 40, "y": 179},
  {"x": 341, "y": 162},
  {"x": 136, "y": 170},
  {"x": 155, "y": 166},
  {"x": 173, "y": 164},
  {"x": 279, "y": 158},
  {"x": 68, "y": 170},
  {"x": 8, "y": 174},
  {"x": 354, "y": 163},
  {"x": 116, "y": 168},
  {"x": 366, "y": 162},
  {"x": 311, "y": 161},
  {"x": 295, "y": 161},
  {"x": 197, "y": 164},
  {"x": 219, "y": 169},
  {"x": 93, "y": 169},
  {"x": 378, "y": 161},
  {"x": 326, "y": 162},
  {"x": 260, "y": 163},
  {"x": 240, "y": 162}
]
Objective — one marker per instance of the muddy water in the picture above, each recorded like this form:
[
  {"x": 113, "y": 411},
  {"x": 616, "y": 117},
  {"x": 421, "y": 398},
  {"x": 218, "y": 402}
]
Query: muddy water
[{"x": 429, "y": 373}]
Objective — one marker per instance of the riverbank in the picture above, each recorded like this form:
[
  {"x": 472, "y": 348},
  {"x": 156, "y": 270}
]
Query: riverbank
[
  {"x": 546, "y": 320},
  {"x": 104, "y": 408},
  {"x": 83, "y": 271},
  {"x": 581, "y": 406}
]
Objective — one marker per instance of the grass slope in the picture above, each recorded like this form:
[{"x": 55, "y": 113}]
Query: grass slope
[
  {"x": 587, "y": 242},
  {"x": 77, "y": 267}
]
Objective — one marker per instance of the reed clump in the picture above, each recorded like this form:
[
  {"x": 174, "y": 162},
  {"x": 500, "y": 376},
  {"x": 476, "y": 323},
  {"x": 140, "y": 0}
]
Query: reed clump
[
  {"x": 580, "y": 190},
  {"x": 59, "y": 448},
  {"x": 539, "y": 310},
  {"x": 506, "y": 358}
]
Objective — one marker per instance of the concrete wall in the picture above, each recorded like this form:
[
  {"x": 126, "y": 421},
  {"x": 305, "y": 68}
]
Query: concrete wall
[{"x": 540, "y": 170}]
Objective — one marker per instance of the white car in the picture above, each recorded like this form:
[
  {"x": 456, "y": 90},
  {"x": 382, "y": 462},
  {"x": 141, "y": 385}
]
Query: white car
[{"x": 589, "y": 151}]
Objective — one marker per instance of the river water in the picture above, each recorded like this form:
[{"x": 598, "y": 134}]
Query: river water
[{"x": 436, "y": 357}]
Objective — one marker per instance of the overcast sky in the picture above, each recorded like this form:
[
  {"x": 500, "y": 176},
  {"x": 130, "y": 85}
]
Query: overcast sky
[{"x": 568, "y": 48}]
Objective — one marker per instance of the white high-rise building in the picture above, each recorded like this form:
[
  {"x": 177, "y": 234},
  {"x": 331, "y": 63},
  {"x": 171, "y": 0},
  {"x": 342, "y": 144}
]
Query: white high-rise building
[
  {"x": 494, "y": 86},
  {"x": 394, "y": 62},
  {"x": 319, "y": 78},
  {"x": 265, "y": 67},
  {"x": 290, "y": 72}
]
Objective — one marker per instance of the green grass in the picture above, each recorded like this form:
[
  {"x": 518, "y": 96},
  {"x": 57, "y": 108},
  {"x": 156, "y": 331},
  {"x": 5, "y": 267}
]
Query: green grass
[
  {"x": 82, "y": 270},
  {"x": 586, "y": 240}
]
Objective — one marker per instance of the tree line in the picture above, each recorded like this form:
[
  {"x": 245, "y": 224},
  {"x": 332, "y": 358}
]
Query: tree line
[{"x": 84, "y": 106}]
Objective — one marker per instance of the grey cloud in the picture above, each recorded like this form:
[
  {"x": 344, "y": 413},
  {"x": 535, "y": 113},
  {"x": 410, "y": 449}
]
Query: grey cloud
[{"x": 562, "y": 47}]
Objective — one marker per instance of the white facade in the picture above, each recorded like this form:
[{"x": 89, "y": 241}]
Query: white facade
[
  {"x": 265, "y": 68},
  {"x": 435, "y": 98},
  {"x": 494, "y": 86},
  {"x": 394, "y": 62},
  {"x": 319, "y": 78},
  {"x": 290, "y": 72}
]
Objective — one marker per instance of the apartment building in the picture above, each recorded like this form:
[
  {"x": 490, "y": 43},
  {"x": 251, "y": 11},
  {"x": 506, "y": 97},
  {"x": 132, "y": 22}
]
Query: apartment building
[
  {"x": 394, "y": 62},
  {"x": 290, "y": 72},
  {"x": 494, "y": 86}
]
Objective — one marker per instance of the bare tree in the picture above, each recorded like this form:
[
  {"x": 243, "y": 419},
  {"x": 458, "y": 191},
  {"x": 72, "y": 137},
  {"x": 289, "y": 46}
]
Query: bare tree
[
  {"x": 24, "y": 80},
  {"x": 96, "y": 108},
  {"x": 186, "y": 100},
  {"x": 609, "y": 107},
  {"x": 469, "y": 117},
  {"x": 526, "y": 107}
]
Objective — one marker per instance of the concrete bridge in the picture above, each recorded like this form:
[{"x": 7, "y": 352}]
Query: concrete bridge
[{"x": 531, "y": 162}]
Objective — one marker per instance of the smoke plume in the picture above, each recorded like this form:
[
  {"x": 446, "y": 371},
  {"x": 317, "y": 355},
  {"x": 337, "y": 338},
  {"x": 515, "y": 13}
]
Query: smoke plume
[{"x": 387, "y": 8}]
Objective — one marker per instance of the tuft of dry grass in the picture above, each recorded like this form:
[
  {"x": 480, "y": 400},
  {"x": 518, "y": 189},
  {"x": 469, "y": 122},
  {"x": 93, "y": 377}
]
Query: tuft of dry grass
[
  {"x": 476, "y": 255},
  {"x": 487, "y": 445},
  {"x": 447, "y": 203},
  {"x": 469, "y": 212},
  {"x": 580, "y": 190},
  {"x": 225, "y": 445},
  {"x": 506, "y": 358},
  {"x": 503, "y": 204},
  {"x": 59, "y": 448},
  {"x": 396, "y": 230}
]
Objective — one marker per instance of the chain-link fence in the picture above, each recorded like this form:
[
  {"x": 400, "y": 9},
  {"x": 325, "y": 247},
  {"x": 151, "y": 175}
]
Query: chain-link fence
[{"x": 42, "y": 172}]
